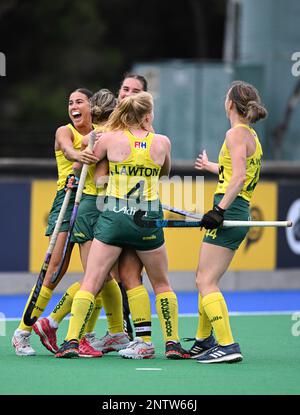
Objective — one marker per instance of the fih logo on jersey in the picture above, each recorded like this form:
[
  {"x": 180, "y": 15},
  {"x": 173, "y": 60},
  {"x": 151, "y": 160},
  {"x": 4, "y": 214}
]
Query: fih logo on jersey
[
  {"x": 293, "y": 233},
  {"x": 140, "y": 144}
]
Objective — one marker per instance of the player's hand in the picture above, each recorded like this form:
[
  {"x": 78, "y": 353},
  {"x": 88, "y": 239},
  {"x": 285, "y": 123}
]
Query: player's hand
[
  {"x": 87, "y": 156},
  {"x": 71, "y": 182},
  {"x": 213, "y": 218},
  {"x": 201, "y": 162}
]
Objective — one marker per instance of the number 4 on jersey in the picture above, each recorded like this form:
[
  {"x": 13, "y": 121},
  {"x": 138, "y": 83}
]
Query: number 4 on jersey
[{"x": 139, "y": 187}]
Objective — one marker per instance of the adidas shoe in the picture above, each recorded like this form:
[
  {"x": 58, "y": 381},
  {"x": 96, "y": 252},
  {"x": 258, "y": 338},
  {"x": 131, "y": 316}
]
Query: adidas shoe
[
  {"x": 21, "y": 343},
  {"x": 175, "y": 351},
  {"x": 222, "y": 354},
  {"x": 68, "y": 349},
  {"x": 201, "y": 346},
  {"x": 47, "y": 334},
  {"x": 86, "y": 349},
  {"x": 138, "y": 349},
  {"x": 111, "y": 342}
]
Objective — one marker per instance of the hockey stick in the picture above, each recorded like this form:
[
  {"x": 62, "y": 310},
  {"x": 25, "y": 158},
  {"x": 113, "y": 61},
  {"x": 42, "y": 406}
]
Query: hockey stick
[
  {"x": 27, "y": 315},
  {"x": 79, "y": 191},
  {"x": 168, "y": 223}
]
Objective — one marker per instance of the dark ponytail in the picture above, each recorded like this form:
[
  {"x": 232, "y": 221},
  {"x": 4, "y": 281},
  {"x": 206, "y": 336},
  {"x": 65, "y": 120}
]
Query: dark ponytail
[{"x": 247, "y": 101}]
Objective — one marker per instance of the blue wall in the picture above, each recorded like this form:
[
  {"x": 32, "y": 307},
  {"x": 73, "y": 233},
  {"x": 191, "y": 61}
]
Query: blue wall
[{"x": 15, "y": 220}]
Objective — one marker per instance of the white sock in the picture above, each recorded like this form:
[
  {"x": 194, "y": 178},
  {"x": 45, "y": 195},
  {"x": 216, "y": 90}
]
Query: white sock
[{"x": 52, "y": 322}]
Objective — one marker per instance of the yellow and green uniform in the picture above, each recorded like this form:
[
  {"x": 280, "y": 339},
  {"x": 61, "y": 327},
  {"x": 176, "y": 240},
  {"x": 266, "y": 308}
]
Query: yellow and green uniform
[
  {"x": 239, "y": 209},
  {"x": 133, "y": 185},
  {"x": 64, "y": 168},
  {"x": 87, "y": 215},
  {"x": 90, "y": 207}
]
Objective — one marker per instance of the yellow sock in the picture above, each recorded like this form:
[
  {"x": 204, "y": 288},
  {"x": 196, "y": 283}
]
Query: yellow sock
[
  {"x": 204, "y": 325},
  {"x": 89, "y": 328},
  {"x": 167, "y": 311},
  {"x": 42, "y": 301},
  {"x": 140, "y": 310},
  {"x": 63, "y": 307},
  {"x": 81, "y": 311},
  {"x": 216, "y": 310},
  {"x": 113, "y": 305}
]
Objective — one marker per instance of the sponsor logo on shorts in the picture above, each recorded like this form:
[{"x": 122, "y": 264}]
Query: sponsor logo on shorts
[
  {"x": 79, "y": 235},
  {"x": 148, "y": 238}
]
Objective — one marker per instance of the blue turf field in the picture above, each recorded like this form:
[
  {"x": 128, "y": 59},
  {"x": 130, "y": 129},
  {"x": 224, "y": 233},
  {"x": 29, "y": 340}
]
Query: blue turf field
[{"x": 238, "y": 301}]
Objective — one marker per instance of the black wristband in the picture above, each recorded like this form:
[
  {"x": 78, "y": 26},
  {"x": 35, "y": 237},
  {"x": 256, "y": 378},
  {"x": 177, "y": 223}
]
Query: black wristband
[{"x": 219, "y": 209}]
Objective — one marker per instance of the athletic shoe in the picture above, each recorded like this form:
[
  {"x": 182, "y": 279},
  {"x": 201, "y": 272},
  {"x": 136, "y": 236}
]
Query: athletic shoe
[
  {"x": 68, "y": 349},
  {"x": 21, "y": 343},
  {"x": 138, "y": 349},
  {"x": 222, "y": 354},
  {"x": 111, "y": 342},
  {"x": 86, "y": 349},
  {"x": 92, "y": 339},
  {"x": 201, "y": 346},
  {"x": 175, "y": 351},
  {"x": 47, "y": 334}
]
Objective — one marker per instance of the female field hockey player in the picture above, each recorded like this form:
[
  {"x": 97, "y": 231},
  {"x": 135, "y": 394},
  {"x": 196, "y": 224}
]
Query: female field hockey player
[
  {"x": 130, "y": 266},
  {"x": 238, "y": 169},
  {"x": 137, "y": 158},
  {"x": 102, "y": 105},
  {"x": 67, "y": 150}
]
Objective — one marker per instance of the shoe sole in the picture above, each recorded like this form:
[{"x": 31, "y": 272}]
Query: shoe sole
[
  {"x": 67, "y": 355},
  {"x": 44, "y": 339},
  {"x": 24, "y": 354},
  {"x": 233, "y": 358},
  {"x": 21, "y": 353},
  {"x": 89, "y": 355},
  {"x": 177, "y": 356},
  {"x": 138, "y": 357}
]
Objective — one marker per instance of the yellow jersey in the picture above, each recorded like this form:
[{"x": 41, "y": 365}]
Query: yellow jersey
[
  {"x": 64, "y": 167},
  {"x": 252, "y": 168},
  {"x": 138, "y": 175}
]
